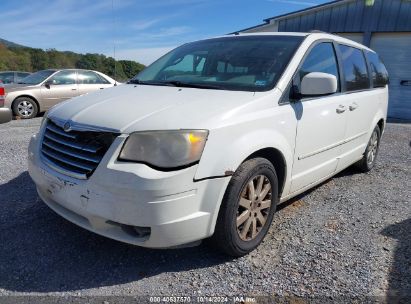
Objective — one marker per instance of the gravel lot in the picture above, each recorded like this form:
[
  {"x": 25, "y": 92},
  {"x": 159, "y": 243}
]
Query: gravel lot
[{"x": 349, "y": 237}]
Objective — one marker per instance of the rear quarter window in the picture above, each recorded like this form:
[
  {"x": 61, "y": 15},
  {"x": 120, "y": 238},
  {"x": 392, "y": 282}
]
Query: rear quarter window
[
  {"x": 7, "y": 77},
  {"x": 379, "y": 74}
]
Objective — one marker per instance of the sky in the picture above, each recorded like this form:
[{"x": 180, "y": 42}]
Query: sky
[{"x": 140, "y": 30}]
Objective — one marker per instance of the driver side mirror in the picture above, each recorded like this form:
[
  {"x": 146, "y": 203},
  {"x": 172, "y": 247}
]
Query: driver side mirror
[
  {"x": 48, "y": 84},
  {"x": 317, "y": 84}
]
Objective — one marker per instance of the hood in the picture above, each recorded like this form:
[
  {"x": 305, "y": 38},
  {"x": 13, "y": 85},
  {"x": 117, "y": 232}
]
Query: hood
[{"x": 130, "y": 108}]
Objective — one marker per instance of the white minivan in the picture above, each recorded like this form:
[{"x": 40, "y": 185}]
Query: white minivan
[{"x": 207, "y": 140}]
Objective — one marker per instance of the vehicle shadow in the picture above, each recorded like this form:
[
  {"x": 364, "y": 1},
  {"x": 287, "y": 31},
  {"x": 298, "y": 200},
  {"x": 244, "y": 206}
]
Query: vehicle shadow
[
  {"x": 399, "y": 281},
  {"x": 42, "y": 252}
]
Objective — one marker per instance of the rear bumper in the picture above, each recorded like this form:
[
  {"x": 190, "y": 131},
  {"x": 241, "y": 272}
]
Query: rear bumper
[
  {"x": 5, "y": 115},
  {"x": 176, "y": 209}
]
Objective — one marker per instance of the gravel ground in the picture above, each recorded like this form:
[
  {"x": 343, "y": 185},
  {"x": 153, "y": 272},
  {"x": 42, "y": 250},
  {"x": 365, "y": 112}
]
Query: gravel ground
[{"x": 350, "y": 237}]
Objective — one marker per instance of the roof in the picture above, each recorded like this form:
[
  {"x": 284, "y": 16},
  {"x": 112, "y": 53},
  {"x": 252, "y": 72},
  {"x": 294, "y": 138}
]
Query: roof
[{"x": 315, "y": 34}]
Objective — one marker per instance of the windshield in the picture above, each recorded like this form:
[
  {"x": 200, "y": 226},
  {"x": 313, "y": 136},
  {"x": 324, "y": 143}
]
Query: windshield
[
  {"x": 247, "y": 63},
  {"x": 37, "y": 77}
]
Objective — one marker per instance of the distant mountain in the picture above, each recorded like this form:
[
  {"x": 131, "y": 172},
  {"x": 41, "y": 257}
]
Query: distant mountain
[{"x": 10, "y": 44}]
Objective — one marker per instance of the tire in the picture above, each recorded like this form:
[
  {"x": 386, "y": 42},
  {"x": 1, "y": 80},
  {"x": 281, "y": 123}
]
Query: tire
[
  {"x": 25, "y": 107},
  {"x": 239, "y": 240},
  {"x": 371, "y": 152}
]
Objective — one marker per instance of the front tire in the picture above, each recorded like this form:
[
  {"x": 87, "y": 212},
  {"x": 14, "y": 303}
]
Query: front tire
[
  {"x": 25, "y": 107},
  {"x": 247, "y": 209},
  {"x": 371, "y": 152}
]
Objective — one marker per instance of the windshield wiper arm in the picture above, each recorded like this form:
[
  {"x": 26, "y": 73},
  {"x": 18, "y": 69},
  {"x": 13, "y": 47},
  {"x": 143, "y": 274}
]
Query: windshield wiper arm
[
  {"x": 192, "y": 85},
  {"x": 157, "y": 83},
  {"x": 175, "y": 83}
]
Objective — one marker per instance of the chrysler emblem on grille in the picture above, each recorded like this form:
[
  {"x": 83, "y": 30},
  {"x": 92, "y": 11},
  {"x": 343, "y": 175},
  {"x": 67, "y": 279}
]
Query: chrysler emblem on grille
[{"x": 67, "y": 127}]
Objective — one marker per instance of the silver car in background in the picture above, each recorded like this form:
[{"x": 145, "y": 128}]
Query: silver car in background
[
  {"x": 41, "y": 90},
  {"x": 12, "y": 76}
]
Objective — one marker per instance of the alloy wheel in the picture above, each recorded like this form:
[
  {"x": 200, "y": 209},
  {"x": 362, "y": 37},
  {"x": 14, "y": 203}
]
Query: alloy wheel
[
  {"x": 254, "y": 207},
  {"x": 25, "y": 108},
  {"x": 373, "y": 148}
]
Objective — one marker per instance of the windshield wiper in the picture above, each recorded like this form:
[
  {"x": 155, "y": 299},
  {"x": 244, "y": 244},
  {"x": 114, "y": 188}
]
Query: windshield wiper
[
  {"x": 143, "y": 82},
  {"x": 134, "y": 81},
  {"x": 21, "y": 83},
  {"x": 192, "y": 85},
  {"x": 175, "y": 83}
]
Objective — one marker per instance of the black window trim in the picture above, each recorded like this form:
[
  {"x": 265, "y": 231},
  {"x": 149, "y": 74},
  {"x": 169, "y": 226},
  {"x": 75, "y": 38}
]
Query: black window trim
[
  {"x": 370, "y": 69},
  {"x": 286, "y": 99},
  {"x": 366, "y": 64}
]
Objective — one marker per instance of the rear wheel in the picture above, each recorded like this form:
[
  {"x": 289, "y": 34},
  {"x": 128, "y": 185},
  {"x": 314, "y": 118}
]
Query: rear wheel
[
  {"x": 25, "y": 107},
  {"x": 371, "y": 152},
  {"x": 247, "y": 209}
]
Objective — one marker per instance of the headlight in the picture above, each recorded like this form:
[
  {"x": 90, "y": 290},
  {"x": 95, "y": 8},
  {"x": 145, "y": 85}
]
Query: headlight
[{"x": 165, "y": 149}]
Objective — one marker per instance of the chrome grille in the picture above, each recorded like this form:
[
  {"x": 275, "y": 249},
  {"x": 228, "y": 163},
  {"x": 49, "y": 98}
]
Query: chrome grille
[{"x": 74, "y": 153}]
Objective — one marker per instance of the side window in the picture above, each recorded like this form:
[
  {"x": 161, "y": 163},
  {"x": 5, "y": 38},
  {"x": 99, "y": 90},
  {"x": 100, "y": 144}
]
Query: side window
[
  {"x": 20, "y": 76},
  {"x": 89, "y": 77},
  {"x": 321, "y": 59},
  {"x": 7, "y": 77},
  {"x": 64, "y": 77},
  {"x": 355, "y": 69},
  {"x": 379, "y": 73}
]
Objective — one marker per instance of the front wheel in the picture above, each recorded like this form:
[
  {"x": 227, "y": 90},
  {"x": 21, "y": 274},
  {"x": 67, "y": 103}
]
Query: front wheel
[{"x": 247, "y": 209}]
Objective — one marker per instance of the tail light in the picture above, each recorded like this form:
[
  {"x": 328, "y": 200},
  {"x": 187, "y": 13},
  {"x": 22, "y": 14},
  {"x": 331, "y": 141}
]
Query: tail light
[{"x": 2, "y": 96}]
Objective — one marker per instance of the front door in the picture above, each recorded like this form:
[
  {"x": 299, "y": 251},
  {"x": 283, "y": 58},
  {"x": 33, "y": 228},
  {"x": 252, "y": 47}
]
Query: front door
[
  {"x": 321, "y": 123},
  {"x": 59, "y": 87}
]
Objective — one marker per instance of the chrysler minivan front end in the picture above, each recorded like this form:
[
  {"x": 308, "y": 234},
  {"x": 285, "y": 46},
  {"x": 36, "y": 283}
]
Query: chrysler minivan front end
[
  {"x": 99, "y": 181},
  {"x": 124, "y": 162}
]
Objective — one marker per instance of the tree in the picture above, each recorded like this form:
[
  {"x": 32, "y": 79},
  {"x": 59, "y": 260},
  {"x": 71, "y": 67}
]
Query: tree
[{"x": 29, "y": 59}]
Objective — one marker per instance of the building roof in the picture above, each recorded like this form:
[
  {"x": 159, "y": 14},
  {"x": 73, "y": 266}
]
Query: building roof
[
  {"x": 267, "y": 21},
  {"x": 321, "y": 6}
]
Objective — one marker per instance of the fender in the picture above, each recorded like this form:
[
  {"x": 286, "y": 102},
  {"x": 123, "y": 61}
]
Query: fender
[
  {"x": 228, "y": 147},
  {"x": 11, "y": 97},
  {"x": 222, "y": 158}
]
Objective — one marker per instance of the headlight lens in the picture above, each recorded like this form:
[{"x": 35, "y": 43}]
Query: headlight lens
[{"x": 165, "y": 149}]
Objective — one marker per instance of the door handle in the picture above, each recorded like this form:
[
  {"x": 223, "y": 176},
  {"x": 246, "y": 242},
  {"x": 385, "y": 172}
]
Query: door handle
[
  {"x": 101, "y": 88},
  {"x": 353, "y": 106},
  {"x": 74, "y": 89},
  {"x": 340, "y": 109}
]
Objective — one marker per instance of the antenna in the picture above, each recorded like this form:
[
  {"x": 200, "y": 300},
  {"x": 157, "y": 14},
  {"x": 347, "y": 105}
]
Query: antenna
[{"x": 114, "y": 43}]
